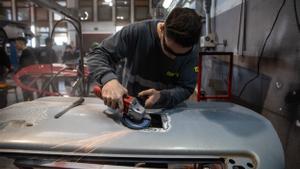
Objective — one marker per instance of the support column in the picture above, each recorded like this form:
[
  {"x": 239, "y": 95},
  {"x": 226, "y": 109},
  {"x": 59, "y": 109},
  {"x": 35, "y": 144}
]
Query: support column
[
  {"x": 131, "y": 11},
  {"x": 14, "y": 11}
]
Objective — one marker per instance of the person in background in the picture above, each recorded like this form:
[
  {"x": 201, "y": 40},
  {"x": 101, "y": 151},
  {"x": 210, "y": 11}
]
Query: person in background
[
  {"x": 27, "y": 58},
  {"x": 5, "y": 67},
  {"x": 69, "y": 56},
  {"x": 46, "y": 55}
]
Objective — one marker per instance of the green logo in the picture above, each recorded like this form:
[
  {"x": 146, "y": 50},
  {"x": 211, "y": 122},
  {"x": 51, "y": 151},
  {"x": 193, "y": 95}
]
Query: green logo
[
  {"x": 172, "y": 74},
  {"x": 196, "y": 69}
]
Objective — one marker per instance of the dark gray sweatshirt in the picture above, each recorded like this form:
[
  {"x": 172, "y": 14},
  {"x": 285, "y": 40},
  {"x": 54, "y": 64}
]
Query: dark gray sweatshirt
[{"x": 146, "y": 66}]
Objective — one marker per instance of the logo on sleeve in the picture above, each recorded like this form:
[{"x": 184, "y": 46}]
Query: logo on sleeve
[
  {"x": 196, "y": 69},
  {"x": 172, "y": 74}
]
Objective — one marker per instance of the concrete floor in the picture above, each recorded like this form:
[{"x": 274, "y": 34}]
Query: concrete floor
[{"x": 6, "y": 163}]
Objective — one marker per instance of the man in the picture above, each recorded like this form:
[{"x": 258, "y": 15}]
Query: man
[
  {"x": 27, "y": 58},
  {"x": 160, "y": 60},
  {"x": 4, "y": 63},
  {"x": 70, "y": 56},
  {"x": 5, "y": 67},
  {"x": 46, "y": 55},
  {"x": 27, "y": 54}
]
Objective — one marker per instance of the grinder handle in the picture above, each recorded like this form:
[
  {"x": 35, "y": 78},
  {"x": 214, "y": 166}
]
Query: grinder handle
[
  {"x": 126, "y": 99},
  {"x": 98, "y": 91}
]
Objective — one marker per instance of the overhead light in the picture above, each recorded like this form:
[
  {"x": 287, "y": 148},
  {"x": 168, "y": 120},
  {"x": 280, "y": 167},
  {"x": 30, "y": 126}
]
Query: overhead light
[
  {"x": 32, "y": 28},
  {"x": 107, "y": 2},
  {"x": 167, "y": 3},
  {"x": 33, "y": 40},
  {"x": 85, "y": 17},
  {"x": 60, "y": 39},
  {"x": 119, "y": 28},
  {"x": 120, "y": 17}
]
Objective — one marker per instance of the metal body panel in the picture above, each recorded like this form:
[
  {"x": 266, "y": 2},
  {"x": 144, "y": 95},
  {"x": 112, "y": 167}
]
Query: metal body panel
[{"x": 195, "y": 130}]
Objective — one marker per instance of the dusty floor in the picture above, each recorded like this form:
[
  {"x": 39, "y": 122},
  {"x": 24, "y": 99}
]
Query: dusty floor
[{"x": 6, "y": 163}]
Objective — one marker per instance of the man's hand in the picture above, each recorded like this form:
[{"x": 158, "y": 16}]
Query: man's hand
[
  {"x": 112, "y": 94},
  {"x": 152, "y": 97}
]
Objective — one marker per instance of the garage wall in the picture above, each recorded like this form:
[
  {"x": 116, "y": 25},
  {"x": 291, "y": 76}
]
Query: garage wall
[
  {"x": 276, "y": 91},
  {"x": 90, "y": 38}
]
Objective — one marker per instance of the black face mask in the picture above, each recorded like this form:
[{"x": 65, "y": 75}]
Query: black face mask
[{"x": 169, "y": 50}]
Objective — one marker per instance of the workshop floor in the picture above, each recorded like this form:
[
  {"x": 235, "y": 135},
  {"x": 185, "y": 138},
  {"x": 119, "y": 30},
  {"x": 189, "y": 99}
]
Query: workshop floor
[{"x": 6, "y": 163}]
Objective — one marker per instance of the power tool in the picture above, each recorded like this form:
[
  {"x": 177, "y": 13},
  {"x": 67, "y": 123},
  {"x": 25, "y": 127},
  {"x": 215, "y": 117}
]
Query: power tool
[{"x": 134, "y": 114}]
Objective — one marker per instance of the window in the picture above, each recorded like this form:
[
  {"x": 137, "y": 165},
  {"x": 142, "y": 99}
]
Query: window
[
  {"x": 60, "y": 38},
  {"x": 105, "y": 10},
  {"x": 23, "y": 14},
  {"x": 42, "y": 32},
  {"x": 61, "y": 34},
  {"x": 42, "y": 38},
  {"x": 141, "y": 10},
  {"x": 6, "y": 10},
  {"x": 8, "y": 14},
  {"x": 61, "y": 3},
  {"x": 41, "y": 25},
  {"x": 122, "y": 12},
  {"x": 86, "y": 10},
  {"x": 23, "y": 11},
  {"x": 42, "y": 28},
  {"x": 57, "y": 16},
  {"x": 61, "y": 30},
  {"x": 41, "y": 14}
]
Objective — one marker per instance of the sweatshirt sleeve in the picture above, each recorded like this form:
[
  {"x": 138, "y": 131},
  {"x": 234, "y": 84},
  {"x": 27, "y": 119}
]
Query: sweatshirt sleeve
[
  {"x": 103, "y": 59},
  {"x": 184, "y": 87}
]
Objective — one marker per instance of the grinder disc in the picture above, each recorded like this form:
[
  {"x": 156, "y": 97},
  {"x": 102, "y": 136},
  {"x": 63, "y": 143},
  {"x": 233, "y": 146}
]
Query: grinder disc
[{"x": 133, "y": 124}]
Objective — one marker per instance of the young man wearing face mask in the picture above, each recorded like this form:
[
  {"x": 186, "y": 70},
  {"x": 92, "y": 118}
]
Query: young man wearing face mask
[
  {"x": 27, "y": 58},
  {"x": 160, "y": 59}
]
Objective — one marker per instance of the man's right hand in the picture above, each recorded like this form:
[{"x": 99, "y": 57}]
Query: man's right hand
[{"x": 112, "y": 94}]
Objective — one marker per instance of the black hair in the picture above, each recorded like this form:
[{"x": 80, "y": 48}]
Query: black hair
[
  {"x": 69, "y": 47},
  {"x": 22, "y": 39},
  {"x": 183, "y": 25}
]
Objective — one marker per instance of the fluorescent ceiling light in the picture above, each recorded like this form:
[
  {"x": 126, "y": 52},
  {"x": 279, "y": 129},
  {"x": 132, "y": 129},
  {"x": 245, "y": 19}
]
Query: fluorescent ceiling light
[
  {"x": 167, "y": 3},
  {"x": 85, "y": 17},
  {"x": 107, "y": 2},
  {"x": 118, "y": 28},
  {"x": 32, "y": 28}
]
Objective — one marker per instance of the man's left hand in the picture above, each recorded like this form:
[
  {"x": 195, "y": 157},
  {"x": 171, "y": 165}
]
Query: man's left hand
[{"x": 152, "y": 96}]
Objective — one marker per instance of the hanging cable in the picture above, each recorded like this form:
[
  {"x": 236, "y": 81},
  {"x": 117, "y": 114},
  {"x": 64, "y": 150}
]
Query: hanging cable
[
  {"x": 240, "y": 25},
  {"x": 262, "y": 51},
  {"x": 296, "y": 15}
]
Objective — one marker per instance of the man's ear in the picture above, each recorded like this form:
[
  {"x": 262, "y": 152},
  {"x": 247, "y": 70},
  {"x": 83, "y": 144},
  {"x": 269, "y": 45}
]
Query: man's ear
[{"x": 162, "y": 27}]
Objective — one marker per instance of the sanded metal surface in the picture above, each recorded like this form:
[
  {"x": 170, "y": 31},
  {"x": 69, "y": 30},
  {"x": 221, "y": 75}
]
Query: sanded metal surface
[{"x": 195, "y": 130}]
